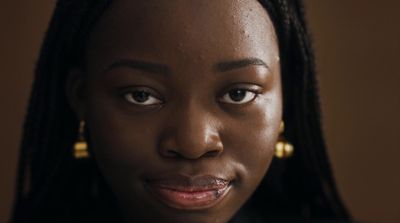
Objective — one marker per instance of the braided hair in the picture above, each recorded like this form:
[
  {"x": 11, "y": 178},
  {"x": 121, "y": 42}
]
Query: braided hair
[{"x": 53, "y": 186}]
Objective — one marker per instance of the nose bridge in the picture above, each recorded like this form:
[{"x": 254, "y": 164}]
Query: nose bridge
[
  {"x": 195, "y": 132},
  {"x": 195, "y": 126}
]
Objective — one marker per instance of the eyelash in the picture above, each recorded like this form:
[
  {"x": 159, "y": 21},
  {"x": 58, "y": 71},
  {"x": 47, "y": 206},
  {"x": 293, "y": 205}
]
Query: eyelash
[
  {"x": 129, "y": 97},
  {"x": 254, "y": 94}
]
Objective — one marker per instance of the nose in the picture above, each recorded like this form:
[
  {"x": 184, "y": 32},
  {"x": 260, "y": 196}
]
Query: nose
[{"x": 193, "y": 134}]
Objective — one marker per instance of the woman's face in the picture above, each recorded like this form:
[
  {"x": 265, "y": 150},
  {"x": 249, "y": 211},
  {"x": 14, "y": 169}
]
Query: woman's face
[{"x": 183, "y": 105}]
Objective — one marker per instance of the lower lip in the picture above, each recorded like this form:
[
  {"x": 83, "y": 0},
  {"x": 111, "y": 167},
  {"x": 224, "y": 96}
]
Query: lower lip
[{"x": 189, "y": 200}]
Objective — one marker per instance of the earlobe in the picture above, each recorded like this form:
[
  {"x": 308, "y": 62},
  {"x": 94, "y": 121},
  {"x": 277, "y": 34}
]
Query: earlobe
[{"x": 75, "y": 91}]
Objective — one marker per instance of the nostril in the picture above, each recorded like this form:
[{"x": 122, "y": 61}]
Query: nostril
[
  {"x": 175, "y": 154},
  {"x": 172, "y": 153},
  {"x": 212, "y": 153},
  {"x": 189, "y": 147}
]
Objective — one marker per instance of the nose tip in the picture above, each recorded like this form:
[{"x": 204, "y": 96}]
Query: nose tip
[
  {"x": 192, "y": 132},
  {"x": 191, "y": 145}
]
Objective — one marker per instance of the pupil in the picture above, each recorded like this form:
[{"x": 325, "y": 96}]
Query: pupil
[
  {"x": 141, "y": 96},
  {"x": 237, "y": 95}
]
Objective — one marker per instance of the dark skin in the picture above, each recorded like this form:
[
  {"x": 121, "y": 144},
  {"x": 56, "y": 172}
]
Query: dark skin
[{"x": 180, "y": 87}]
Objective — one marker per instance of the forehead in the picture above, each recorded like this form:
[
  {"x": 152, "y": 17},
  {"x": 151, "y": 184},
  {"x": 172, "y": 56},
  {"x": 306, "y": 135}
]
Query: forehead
[{"x": 185, "y": 29}]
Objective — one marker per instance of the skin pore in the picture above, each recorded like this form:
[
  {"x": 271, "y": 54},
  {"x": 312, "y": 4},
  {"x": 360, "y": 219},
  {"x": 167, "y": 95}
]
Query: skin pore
[{"x": 184, "y": 95}]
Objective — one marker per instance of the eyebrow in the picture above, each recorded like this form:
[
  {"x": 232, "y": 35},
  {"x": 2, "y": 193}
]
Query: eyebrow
[
  {"x": 231, "y": 65},
  {"x": 164, "y": 69},
  {"x": 140, "y": 65}
]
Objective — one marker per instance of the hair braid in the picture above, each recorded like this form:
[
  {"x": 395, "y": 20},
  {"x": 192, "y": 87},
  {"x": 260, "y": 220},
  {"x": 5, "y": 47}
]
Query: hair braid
[
  {"x": 323, "y": 193},
  {"x": 49, "y": 131},
  {"x": 310, "y": 197}
]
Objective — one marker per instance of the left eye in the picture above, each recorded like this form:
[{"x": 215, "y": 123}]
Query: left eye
[
  {"x": 239, "y": 96},
  {"x": 141, "y": 97}
]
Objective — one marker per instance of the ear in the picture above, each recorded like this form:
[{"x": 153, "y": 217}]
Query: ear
[{"x": 75, "y": 90}]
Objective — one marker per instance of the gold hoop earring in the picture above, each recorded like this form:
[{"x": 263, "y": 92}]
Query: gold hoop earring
[
  {"x": 80, "y": 146},
  {"x": 283, "y": 149}
]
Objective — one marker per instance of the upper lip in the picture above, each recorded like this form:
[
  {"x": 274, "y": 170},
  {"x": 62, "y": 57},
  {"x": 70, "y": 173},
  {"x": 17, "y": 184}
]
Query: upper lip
[{"x": 185, "y": 183}]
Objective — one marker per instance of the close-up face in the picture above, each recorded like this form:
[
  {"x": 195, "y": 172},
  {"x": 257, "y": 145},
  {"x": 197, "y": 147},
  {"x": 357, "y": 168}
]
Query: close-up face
[{"x": 183, "y": 104}]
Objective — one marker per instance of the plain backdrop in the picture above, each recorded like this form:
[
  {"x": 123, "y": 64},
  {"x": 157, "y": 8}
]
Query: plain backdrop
[{"x": 357, "y": 44}]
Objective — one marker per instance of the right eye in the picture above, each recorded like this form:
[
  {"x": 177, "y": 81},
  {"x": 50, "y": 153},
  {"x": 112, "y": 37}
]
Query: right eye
[
  {"x": 239, "y": 96},
  {"x": 141, "y": 97}
]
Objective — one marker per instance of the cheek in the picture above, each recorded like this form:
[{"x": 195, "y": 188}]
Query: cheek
[
  {"x": 252, "y": 140},
  {"x": 113, "y": 145},
  {"x": 255, "y": 146},
  {"x": 119, "y": 141}
]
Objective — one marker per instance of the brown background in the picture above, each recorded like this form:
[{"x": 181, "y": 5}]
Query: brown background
[{"x": 357, "y": 44}]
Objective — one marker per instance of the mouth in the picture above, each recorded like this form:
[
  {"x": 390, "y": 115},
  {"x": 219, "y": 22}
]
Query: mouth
[{"x": 189, "y": 193}]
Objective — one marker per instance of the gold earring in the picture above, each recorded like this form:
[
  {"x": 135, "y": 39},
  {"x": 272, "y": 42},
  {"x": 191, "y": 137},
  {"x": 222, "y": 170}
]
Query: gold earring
[
  {"x": 283, "y": 149},
  {"x": 80, "y": 147}
]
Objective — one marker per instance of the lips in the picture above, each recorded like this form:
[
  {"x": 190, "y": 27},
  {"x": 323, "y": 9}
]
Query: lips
[{"x": 189, "y": 193}]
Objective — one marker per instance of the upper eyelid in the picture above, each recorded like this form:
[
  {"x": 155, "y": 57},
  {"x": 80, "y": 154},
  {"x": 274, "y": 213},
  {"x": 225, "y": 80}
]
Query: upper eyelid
[
  {"x": 138, "y": 87},
  {"x": 243, "y": 85},
  {"x": 256, "y": 91},
  {"x": 131, "y": 89},
  {"x": 123, "y": 95}
]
